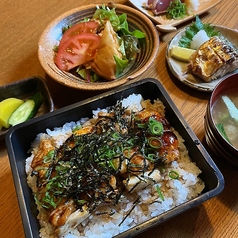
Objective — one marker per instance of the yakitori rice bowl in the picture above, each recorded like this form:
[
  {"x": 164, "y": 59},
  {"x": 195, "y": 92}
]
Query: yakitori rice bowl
[{"x": 136, "y": 167}]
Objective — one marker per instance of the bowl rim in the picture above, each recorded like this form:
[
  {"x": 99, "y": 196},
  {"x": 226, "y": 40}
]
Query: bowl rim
[{"x": 96, "y": 85}]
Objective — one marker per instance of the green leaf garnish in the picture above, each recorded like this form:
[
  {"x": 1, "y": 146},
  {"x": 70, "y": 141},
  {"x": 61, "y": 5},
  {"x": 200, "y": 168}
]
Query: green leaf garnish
[
  {"x": 176, "y": 10},
  {"x": 193, "y": 29}
]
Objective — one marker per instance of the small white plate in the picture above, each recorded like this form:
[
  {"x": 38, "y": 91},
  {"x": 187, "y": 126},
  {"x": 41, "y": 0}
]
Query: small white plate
[
  {"x": 167, "y": 25},
  {"x": 178, "y": 68}
]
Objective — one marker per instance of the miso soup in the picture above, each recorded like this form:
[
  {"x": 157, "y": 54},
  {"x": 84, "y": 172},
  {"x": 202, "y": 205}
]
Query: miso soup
[{"x": 225, "y": 116}]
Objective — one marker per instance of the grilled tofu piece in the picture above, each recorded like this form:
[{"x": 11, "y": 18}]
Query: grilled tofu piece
[{"x": 213, "y": 59}]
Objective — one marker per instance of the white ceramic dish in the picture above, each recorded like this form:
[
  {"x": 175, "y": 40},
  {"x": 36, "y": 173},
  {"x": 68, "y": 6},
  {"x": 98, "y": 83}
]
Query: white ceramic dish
[
  {"x": 166, "y": 25},
  {"x": 178, "y": 68}
]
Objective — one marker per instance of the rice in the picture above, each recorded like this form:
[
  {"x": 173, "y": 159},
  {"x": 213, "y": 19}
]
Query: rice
[{"x": 127, "y": 213}]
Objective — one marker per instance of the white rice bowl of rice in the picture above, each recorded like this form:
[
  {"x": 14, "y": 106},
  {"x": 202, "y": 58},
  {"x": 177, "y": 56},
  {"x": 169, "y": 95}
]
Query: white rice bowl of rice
[{"x": 167, "y": 195}]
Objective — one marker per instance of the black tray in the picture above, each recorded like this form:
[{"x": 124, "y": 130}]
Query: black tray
[
  {"x": 23, "y": 89},
  {"x": 18, "y": 141}
]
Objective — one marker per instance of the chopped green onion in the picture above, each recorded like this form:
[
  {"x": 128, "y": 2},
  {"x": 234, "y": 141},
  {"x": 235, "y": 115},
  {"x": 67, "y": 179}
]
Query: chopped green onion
[
  {"x": 134, "y": 165},
  {"x": 49, "y": 157},
  {"x": 141, "y": 125},
  {"x": 159, "y": 193},
  {"x": 162, "y": 170},
  {"x": 156, "y": 127},
  {"x": 48, "y": 199},
  {"x": 76, "y": 128},
  {"x": 82, "y": 202},
  {"x": 40, "y": 168},
  {"x": 154, "y": 142},
  {"x": 116, "y": 135},
  {"x": 151, "y": 157},
  {"x": 173, "y": 174}
]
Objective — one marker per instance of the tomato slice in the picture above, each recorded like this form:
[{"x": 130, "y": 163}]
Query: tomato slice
[
  {"x": 82, "y": 27},
  {"x": 77, "y": 50}
]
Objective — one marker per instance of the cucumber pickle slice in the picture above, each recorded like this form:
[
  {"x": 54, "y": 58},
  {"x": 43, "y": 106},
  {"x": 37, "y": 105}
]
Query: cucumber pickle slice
[{"x": 27, "y": 110}]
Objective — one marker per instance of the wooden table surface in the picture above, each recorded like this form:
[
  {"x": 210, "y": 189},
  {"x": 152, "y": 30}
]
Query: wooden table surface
[{"x": 21, "y": 24}]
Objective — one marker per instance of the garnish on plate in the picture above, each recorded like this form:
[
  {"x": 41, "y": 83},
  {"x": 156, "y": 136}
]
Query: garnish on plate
[
  {"x": 181, "y": 53},
  {"x": 194, "y": 29}
]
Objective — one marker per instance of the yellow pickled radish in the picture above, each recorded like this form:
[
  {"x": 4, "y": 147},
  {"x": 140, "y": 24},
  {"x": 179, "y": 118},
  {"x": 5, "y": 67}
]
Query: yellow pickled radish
[
  {"x": 181, "y": 53},
  {"x": 7, "y": 107}
]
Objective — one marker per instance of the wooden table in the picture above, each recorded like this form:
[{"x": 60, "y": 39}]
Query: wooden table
[{"x": 22, "y": 22}]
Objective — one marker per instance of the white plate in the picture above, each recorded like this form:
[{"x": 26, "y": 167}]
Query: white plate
[
  {"x": 165, "y": 24},
  {"x": 178, "y": 67}
]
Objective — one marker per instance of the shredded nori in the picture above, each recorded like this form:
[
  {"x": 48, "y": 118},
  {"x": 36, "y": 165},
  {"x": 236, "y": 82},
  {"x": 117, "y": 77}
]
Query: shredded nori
[{"x": 82, "y": 167}]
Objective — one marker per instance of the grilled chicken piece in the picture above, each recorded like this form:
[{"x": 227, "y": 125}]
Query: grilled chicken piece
[
  {"x": 169, "y": 148},
  {"x": 213, "y": 59},
  {"x": 145, "y": 114},
  {"x": 38, "y": 160},
  {"x": 60, "y": 215},
  {"x": 73, "y": 220}
]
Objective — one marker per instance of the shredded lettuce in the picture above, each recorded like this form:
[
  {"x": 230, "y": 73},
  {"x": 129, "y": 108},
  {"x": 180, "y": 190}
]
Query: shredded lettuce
[
  {"x": 118, "y": 22},
  {"x": 131, "y": 46},
  {"x": 124, "y": 28},
  {"x": 121, "y": 64},
  {"x": 193, "y": 29},
  {"x": 104, "y": 14}
]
